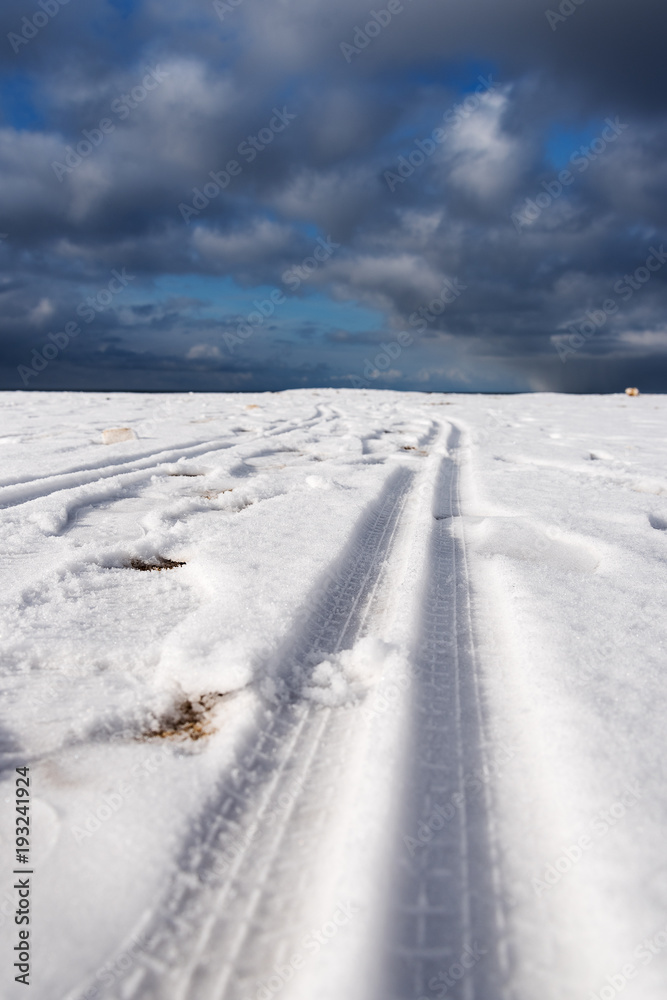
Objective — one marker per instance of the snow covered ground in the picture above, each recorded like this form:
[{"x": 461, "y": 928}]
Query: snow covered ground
[{"x": 336, "y": 694}]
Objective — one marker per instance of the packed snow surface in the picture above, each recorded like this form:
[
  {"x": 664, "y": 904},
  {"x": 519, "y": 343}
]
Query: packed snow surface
[{"x": 335, "y": 694}]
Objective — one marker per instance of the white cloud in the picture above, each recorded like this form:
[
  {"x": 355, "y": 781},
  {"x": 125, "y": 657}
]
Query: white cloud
[{"x": 203, "y": 352}]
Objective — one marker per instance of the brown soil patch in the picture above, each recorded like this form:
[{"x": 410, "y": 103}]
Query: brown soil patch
[
  {"x": 158, "y": 563},
  {"x": 188, "y": 720}
]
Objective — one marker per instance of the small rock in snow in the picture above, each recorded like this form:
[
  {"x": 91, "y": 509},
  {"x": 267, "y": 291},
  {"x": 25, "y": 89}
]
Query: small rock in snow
[{"x": 115, "y": 434}]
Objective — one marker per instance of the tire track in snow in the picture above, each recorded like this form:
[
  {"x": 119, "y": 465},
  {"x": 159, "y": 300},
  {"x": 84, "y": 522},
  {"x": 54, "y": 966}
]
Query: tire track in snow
[
  {"x": 212, "y": 936},
  {"x": 447, "y": 897},
  {"x": 14, "y": 494},
  {"x": 215, "y": 937}
]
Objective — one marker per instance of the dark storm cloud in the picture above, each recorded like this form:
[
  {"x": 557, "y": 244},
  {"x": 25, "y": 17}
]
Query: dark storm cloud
[{"x": 116, "y": 117}]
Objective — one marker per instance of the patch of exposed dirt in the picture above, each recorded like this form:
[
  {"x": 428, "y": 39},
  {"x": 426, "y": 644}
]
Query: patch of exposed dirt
[
  {"x": 157, "y": 563},
  {"x": 188, "y": 720}
]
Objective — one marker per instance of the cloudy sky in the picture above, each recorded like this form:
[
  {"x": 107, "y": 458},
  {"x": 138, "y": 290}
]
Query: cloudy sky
[{"x": 260, "y": 194}]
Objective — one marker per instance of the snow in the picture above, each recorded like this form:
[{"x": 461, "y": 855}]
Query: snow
[{"x": 339, "y": 683}]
